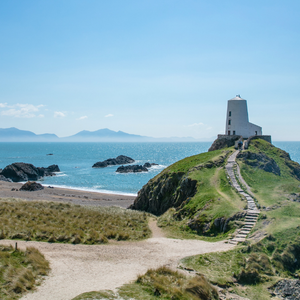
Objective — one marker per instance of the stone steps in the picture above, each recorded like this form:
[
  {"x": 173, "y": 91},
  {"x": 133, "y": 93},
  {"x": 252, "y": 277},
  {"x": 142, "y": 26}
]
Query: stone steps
[{"x": 252, "y": 213}]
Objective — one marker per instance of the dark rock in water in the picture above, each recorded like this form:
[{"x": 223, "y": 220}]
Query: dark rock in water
[
  {"x": 260, "y": 160},
  {"x": 49, "y": 154},
  {"x": 148, "y": 165},
  {"x": 3, "y": 178},
  {"x": 24, "y": 172},
  {"x": 120, "y": 160},
  {"x": 48, "y": 171},
  {"x": 288, "y": 289},
  {"x": 132, "y": 169},
  {"x": 31, "y": 186}
]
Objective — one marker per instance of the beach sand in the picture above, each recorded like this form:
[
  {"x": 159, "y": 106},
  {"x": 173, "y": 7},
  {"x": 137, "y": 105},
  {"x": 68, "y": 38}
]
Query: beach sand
[{"x": 80, "y": 197}]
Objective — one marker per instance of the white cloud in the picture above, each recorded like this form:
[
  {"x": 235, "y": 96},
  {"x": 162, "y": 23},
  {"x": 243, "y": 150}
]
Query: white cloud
[
  {"x": 195, "y": 124},
  {"x": 82, "y": 118},
  {"x": 2, "y": 105},
  {"x": 21, "y": 110},
  {"x": 41, "y": 116},
  {"x": 109, "y": 115},
  {"x": 59, "y": 114}
]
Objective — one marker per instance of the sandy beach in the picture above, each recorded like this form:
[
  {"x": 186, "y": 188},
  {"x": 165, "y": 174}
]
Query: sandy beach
[{"x": 81, "y": 197}]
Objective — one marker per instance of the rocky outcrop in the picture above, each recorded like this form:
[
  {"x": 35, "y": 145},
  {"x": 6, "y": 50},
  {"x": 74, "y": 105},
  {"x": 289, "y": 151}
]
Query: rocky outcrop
[
  {"x": 120, "y": 160},
  {"x": 219, "y": 224},
  {"x": 3, "y": 178},
  {"x": 132, "y": 169},
  {"x": 224, "y": 142},
  {"x": 24, "y": 172},
  {"x": 260, "y": 160},
  {"x": 168, "y": 190},
  {"x": 287, "y": 289},
  {"x": 31, "y": 186}
]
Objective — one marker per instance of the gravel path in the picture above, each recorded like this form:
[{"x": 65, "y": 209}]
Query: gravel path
[{"x": 76, "y": 269}]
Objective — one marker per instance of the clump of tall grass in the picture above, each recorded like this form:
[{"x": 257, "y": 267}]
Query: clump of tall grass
[
  {"x": 168, "y": 284},
  {"x": 20, "y": 270},
  {"x": 60, "y": 222}
]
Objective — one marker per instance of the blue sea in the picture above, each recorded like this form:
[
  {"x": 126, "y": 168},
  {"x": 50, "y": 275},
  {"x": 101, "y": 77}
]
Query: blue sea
[{"x": 75, "y": 161}]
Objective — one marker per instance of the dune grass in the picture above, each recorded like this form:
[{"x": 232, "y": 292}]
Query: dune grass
[
  {"x": 60, "y": 222},
  {"x": 161, "y": 283},
  {"x": 20, "y": 271}
]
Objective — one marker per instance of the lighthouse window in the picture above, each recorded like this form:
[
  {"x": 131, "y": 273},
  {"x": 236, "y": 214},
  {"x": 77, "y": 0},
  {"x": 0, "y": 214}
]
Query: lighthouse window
[
  {"x": 229, "y": 122},
  {"x": 230, "y": 114}
]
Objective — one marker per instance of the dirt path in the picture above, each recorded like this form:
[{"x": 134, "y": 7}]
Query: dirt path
[
  {"x": 76, "y": 269},
  {"x": 156, "y": 231}
]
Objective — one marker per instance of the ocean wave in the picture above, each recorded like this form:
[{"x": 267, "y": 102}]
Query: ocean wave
[
  {"x": 86, "y": 189},
  {"x": 60, "y": 174}
]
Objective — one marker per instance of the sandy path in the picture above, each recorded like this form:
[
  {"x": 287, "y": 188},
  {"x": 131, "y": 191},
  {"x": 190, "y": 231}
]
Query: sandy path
[{"x": 76, "y": 269}]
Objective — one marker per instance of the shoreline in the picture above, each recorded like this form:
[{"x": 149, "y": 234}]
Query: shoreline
[{"x": 62, "y": 194}]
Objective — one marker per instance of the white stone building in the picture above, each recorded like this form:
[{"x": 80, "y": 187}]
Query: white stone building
[{"x": 237, "y": 121}]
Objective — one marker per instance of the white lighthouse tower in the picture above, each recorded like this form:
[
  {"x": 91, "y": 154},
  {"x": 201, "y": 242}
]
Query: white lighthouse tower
[{"x": 237, "y": 121}]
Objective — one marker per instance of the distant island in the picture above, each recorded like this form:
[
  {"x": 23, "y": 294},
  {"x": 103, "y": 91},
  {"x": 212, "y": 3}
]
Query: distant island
[{"x": 102, "y": 135}]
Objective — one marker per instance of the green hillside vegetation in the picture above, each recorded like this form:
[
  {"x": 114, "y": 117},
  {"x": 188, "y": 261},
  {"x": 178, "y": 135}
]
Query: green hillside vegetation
[
  {"x": 278, "y": 196},
  {"x": 214, "y": 199},
  {"x": 161, "y": 283},
  {"x": 20, "y": 271},
  {"x": 272, "y": 251},
  {"x": 65, "y": 223}
]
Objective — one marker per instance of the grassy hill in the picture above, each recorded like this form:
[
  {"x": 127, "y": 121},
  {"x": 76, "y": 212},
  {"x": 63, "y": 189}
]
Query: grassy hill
[{"x": 193, "y": 198}]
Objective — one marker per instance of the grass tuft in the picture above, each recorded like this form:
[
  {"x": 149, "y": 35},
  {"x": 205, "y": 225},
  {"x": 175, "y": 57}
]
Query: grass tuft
[{"x": 20, "y": 271}]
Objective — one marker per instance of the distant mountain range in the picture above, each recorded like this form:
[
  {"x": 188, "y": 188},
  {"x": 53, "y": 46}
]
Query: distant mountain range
[{"x": 102, "y": 135}]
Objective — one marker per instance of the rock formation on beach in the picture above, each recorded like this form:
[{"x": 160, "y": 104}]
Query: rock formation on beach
[
  {"x": 24, "y": 172},
  {"x": 3, "y": 178},
  {"x": 31, "y": 186},
  {"x": 120, "y": 160}
]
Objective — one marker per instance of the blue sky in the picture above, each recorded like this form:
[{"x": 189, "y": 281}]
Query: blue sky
[{"x": 154, "y": 68}]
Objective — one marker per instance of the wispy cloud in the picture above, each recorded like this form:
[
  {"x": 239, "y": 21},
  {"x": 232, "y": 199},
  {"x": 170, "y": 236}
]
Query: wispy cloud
[
  {"x": 59, "y": 114},
  {"x": 81, "y": 118},
  {"x": 20, "y": 110},
  {"x": 196, "y": 124},
  {"x": 109, "y": 115}
]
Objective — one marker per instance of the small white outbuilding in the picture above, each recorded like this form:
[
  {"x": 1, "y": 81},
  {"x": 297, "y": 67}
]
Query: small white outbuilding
[{"x": 237, "y": 121}]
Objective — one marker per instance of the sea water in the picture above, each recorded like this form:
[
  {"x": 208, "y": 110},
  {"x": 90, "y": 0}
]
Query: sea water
[{"x": 75, "y": 161}]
